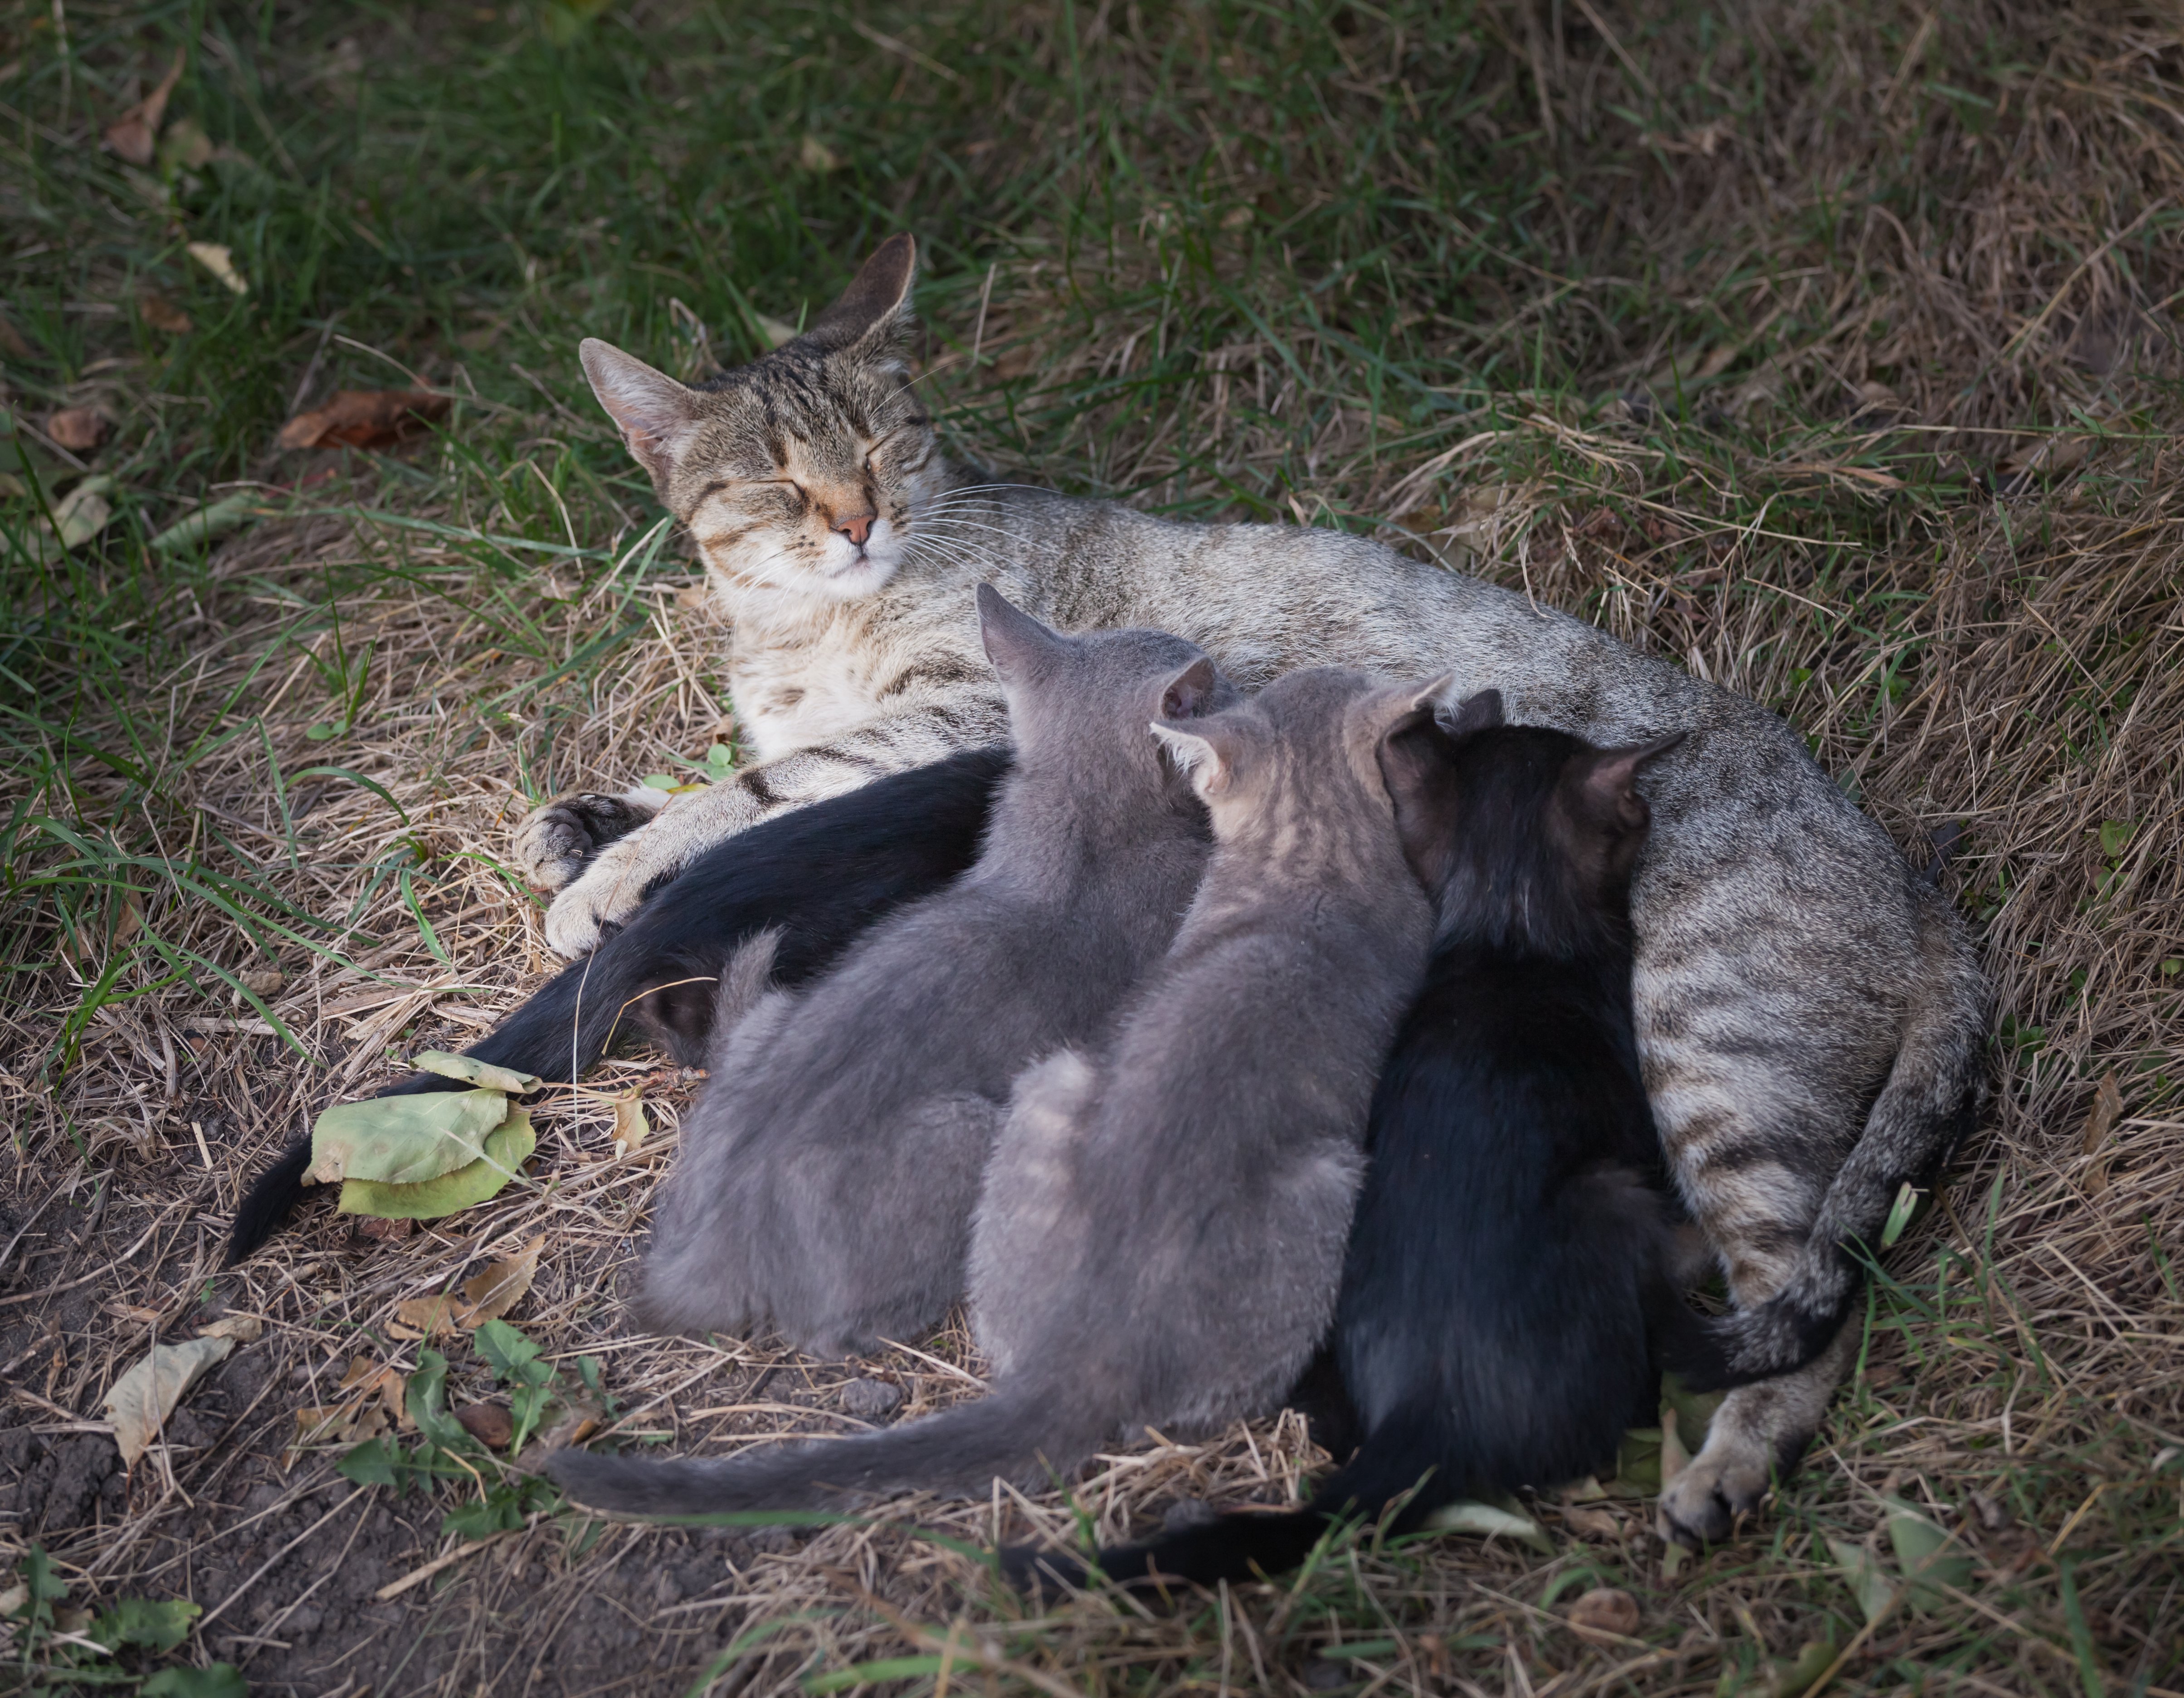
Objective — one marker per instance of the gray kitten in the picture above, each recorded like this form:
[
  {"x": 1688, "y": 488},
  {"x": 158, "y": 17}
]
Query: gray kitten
[
  {"x": 828, "y": 1174},
  {"x": 1161, "y": 1234}
]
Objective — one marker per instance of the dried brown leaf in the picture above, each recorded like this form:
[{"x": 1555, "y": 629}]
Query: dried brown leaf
[
  {"x": 489, "y": 1423},
  {"x": 485, "y": 1297},
  {"x": 365, "y": 418},
  {"x": 630, "y": 1126},
  {"x": 162, "y": 314},
  {"x": 136, "y": 133},
  {"x": 219, "y": 259},
  {"x": 496, "y": 1291},
  {"x": 338, "y": 1423},
  {"x": 1604, "y": 1615},
  {"x": 142, "y": 1399},
  {"x": 2107, "y": 1110},
  {"x": 78, "y": 429}
]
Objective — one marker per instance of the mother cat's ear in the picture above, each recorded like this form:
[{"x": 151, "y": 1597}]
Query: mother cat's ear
[
  {"x": 1018, "y": 645},
  {"x": 876, "y": 303},
  {"x": 656, "y": 413}
]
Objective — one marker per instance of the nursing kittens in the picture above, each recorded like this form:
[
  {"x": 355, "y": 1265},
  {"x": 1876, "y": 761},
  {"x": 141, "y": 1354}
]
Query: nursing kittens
[
  {"x": 828, "y": 1174},
  {"x": 1809, "y": 1014},
  {"x": 1510, "y": 1293},
  {"x": 1161, "y": 1228}
]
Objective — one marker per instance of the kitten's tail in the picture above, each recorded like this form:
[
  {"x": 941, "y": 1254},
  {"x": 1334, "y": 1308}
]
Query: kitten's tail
[
  {"x": 1932, "y": 1100},
  {"x": 1019, "y": 1433},
  {"x": 1406, "y": 1453}
]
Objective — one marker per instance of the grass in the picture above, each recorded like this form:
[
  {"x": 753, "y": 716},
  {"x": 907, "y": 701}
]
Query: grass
[{"x": 1827, "y": 350}]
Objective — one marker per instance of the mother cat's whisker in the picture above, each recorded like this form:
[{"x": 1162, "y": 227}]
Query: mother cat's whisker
[{"x": 946, "y": 552}]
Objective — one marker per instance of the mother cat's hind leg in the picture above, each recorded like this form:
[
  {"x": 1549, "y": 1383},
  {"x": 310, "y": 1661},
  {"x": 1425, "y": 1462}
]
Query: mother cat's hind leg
[
  {"x": 1755, "y": 1193},
  {"x": 1755, "y": 1438},
  {"x": 556, "y": 843}
]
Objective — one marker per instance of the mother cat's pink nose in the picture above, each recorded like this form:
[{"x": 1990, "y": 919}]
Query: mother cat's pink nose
[{"x": 856, "y": 529}]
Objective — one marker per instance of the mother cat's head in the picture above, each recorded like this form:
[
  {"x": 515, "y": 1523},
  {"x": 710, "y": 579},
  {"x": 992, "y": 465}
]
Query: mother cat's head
[{"x": 803, "y": 471}]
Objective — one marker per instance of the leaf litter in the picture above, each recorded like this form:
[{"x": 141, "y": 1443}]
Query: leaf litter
[
  {"x": 135, "y": 132},
  {"x": 141, "y": 1400},
  {"x": 486, "y": 1296},
  {"x": 365, "y": 418}
]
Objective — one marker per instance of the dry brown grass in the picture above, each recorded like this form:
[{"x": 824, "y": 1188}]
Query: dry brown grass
[{"x": 1873, "y": 305}]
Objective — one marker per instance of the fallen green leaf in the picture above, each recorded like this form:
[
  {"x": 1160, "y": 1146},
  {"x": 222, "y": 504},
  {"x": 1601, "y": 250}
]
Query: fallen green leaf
[
  {"x": 1695, "y": 1411},
  {"x": 1929, "y": 1558},
  {"x": 208, "y": 523},
  {"x": 1789, "y": 1678},
  {"x": 215, "y": 1680},
  {"x": 1862, "y": 1569},
  {"x": 403, "y": 1140},
  {"x": 1638, "y": 1460},
  {"x": 505, "y": 1149},
  {"x": 477, "y": 1071},
  {"x": 1469, "y": 1516},
  {"x": 77, "y": 517}
]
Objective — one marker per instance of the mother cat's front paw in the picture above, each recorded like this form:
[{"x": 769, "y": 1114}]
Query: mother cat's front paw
[
  {"x": 606, "y": 892},
  {"x": 555, "y": 843}
]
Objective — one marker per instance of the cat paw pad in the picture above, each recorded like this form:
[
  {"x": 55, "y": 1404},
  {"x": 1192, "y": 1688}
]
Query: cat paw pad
[{"x": 556, "y": 843}]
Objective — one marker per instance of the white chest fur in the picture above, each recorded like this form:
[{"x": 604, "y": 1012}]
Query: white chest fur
[{"x": 800, "y": 682}]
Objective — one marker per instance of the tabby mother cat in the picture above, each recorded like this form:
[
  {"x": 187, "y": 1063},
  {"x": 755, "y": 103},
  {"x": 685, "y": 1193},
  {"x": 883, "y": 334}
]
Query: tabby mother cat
[{"x": 1809, "y": 1011}]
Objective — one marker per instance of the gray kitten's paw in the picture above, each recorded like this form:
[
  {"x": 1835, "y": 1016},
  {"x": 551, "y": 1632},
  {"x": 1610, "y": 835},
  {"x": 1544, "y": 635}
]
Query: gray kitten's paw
[
  {"x": 1718, "y": 1487},
  {"x": 556, "y": 843}
]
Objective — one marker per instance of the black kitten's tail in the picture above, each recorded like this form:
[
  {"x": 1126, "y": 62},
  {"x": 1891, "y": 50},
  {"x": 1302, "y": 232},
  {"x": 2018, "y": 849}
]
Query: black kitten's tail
[
  {"x": 1406, "y": 1453},
  {"x": 821, "y": 874},
  {"x": 567, "y": 1023}
]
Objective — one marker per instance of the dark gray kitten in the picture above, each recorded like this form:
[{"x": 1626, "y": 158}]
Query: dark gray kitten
[
  {"x": 1161, "y": 1233},
  {"x": 828, "y": 1174}
]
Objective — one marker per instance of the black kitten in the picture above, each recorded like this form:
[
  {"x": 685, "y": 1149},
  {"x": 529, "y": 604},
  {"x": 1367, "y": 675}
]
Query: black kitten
[
  {"x": 1509, "y": 1296},
  {"x": 819, "y": 875}
]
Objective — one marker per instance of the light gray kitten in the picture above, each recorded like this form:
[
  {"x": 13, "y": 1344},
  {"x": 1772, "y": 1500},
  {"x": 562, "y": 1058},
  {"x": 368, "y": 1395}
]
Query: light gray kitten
[
  {"x": 828, "y": 1174},
  {"x": 1809, "y": 1012},
  {"x": 1161, "y": 1230}
]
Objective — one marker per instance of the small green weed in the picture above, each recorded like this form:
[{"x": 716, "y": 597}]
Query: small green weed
[
  {"x": 59, "y": 1650},
  {"x": 506, "y": 1495}
]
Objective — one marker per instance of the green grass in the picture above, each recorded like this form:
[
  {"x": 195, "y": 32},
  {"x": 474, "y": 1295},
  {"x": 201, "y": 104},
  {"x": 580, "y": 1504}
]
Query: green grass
[{"x": 1753, "y": 322}]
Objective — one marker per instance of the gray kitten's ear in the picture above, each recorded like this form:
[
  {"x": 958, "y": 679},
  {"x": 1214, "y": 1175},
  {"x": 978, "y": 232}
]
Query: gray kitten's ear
[
  {"x": 1017, "y": 644},
  {"x": 1481, "y": 712},
  {"x": 877, "y": 299},
  {"x": 656, "y": 413},
  {"x": 1609, "y": 785},
  {"x": 1207, "y": 753},
  {"x": 1190, "y": 692}
]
